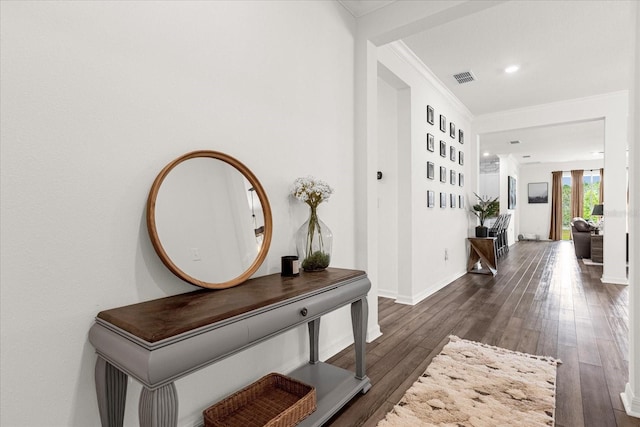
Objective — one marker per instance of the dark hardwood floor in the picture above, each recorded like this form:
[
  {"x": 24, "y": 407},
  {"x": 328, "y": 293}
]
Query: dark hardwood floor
[{"x": 543, "y": 301}]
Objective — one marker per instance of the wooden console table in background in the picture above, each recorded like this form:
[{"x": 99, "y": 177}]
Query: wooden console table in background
[
  {"x": 596, "y": 248},
  {"x": 483, "y": 249},
  {"x": 157, "y": 342}
]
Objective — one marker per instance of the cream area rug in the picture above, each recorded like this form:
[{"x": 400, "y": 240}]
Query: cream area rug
[{"x": 476, "y": 385}]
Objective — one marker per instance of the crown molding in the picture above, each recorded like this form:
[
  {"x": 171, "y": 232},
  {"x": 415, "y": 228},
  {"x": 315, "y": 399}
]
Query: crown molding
[{"x": 400, "y": 49}]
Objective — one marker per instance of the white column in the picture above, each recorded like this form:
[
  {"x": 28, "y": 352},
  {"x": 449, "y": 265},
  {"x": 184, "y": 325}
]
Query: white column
[
  {"x": 366, "y": 160},
  {"x": 615, "y": 196},
  {"x": 631, "y": 394}
]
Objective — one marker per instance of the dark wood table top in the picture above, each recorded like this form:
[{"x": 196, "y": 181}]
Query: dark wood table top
[{"x": 155, "y": 320}]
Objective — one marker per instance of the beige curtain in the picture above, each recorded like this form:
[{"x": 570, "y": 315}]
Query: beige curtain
[
  {"x": 577, "y": 193},
  {"x": 555, "y": 231},
  {"x": 601, "y": 197}
]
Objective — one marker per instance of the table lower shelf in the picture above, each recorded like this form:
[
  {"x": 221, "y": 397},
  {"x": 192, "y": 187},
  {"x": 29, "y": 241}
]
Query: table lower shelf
[{"x": 334, "y": 388}]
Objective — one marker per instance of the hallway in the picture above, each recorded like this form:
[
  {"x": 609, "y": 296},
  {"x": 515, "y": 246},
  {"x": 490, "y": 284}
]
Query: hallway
[{"x": 543, "y": 301}]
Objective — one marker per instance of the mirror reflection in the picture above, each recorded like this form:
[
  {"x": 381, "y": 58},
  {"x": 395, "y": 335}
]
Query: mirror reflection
[{"x": 208, "y": 221}]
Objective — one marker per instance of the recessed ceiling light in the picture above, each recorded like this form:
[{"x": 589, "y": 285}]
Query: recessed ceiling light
[
  {"x": 526, "y": 156},
  {"x": 514, "y": 142},
  {"x": 512, "y": 69},
  {"x": 485, "y": 154}
]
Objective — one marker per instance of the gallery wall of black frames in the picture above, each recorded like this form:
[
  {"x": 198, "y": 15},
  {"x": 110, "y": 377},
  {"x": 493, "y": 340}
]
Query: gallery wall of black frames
[{"x": 449, "y": 157}]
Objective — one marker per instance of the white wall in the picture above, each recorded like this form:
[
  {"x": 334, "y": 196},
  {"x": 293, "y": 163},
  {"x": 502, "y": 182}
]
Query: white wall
[
  {"x": 433, "y": 239},
  {"x": 489, "y": 184},
  {"x": 96, "y": 98},
  {"x": 535, "y": 218}
]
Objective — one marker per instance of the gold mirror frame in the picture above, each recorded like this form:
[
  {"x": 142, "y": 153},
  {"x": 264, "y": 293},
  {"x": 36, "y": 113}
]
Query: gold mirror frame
[{"x": 153, "y": 232}]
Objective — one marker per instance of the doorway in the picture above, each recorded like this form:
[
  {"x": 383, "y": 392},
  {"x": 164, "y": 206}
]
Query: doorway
[{"x": 394, "y": 131}]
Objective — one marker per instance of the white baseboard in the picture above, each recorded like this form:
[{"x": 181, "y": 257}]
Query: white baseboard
[
  {"x": 615, "y": 280},
  {"x": 374, "y": 333},
  {"x": 387, "y": 294},
  {"x": 631, "y": 402},
  {"x": 415, "y": 299}
]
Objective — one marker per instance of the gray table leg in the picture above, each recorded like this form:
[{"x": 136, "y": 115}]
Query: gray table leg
[
  {"x": 159, "y": 407},
  {"x": 111, "y": 389},
  {"x": 314, "y": 333},
  {"x": 359, "y": 314}
]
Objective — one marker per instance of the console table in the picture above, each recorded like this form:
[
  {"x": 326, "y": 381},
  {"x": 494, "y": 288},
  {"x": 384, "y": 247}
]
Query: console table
[
  {"x": 596, "y": 248},
  {"x": 157, "y": 342},
  {"x": 483, "y": 250}
]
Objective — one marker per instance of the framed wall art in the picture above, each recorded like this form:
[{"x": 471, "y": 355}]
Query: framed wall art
[
  {"x": 430, "y": 170},
  {"x": 461, "y": 158},
  {"x": 452, "y": 177},
  {"x": 443, "y": 200},
  {"x": 443, "y": 123},
  {"x": 430, "y": 142},
  {"x": 443, "y": 174},
  {"x": 511, "y": 188},
  {"x": 452, "y": 200},
  {"x": 461, "y": 201},
  {"x": 430, "y": 114},
  {"x": 452, "y": 130},
  {"x": 538, "y": 192},
  {"x": 461, "y": 179},
  {"x": 431, "y": 199},
  {"x": 443, "y": 149},
  {"x": 460, "y": 136},
  {"x": 452, "y": 153}
]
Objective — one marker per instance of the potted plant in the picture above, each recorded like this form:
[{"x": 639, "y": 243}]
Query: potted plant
[{"x": 486, "y": 207}]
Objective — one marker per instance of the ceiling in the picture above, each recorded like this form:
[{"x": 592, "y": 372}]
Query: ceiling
[
  {"x": 565, "y": 50},
  {"x": 360, "y": 8}
]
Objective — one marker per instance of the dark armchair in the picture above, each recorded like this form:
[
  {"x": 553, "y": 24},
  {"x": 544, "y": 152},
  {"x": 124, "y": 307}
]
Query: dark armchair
[{"x": 581, "y": 236}]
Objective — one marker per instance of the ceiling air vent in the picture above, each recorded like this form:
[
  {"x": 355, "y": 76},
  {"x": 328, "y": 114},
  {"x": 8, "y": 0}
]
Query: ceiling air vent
[
  {"x": 464, "y": 77},
  {"x": 514, "y": 142}
]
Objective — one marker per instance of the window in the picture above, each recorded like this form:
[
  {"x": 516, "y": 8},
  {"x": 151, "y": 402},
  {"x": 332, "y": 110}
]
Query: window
[{"x": 591, "y": 181}]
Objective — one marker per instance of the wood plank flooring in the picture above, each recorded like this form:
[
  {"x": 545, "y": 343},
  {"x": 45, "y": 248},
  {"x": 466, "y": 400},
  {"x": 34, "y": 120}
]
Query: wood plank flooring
[{"x": 543, "y": 301}]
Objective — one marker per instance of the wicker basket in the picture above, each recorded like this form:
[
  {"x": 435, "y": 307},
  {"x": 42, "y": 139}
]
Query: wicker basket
[{"x": 273, "y": 401}]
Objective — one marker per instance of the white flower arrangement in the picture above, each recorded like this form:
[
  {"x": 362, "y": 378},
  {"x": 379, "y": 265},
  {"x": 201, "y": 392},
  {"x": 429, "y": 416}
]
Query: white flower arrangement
[{"x": 311, "y": 191}]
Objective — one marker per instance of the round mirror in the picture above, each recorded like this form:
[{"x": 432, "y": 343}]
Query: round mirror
[{"x": 209, "y": 219}]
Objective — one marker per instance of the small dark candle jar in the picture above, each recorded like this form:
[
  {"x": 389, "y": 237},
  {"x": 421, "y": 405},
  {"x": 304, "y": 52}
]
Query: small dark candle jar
[{"x": 290, "y": 266}]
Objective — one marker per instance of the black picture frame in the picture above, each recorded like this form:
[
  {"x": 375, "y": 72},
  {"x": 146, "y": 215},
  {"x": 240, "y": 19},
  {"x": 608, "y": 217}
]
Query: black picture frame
[
  {"x": 443, "y": 200},
  {"x": 431, "y": 199},
  {"x": 452, "y": 200},
  {"x": 430, "y": 114},
  {"x": 452, "y": 153},
  {"x": 511, "y": 188},
  {"x": 452, "y": 177},
  {"x": 443, "y": 149},
  {"x": 443, "y": 174},
  {"x": 461, "y": 201},
  {"x": 430, "y": 142},
  {"x": 461, "y": 179},
  {"x": 461, "y": 158},
  {"x": 538, "y": 192},
  {"x": 460, "y": 136},
  {"x": 452, "y": 130},
  {"x": 443, "y": 123},
  {"x": 431, "y": 168}
]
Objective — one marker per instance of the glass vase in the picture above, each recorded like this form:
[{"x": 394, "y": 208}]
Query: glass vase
[{"x": 313, "y": 243}]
